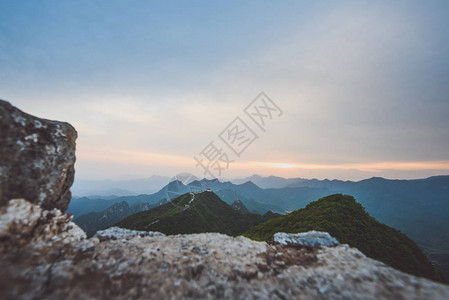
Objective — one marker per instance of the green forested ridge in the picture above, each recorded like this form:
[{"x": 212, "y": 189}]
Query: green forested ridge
[
  {"x": 347, "y": 220},
  {"x": 207, "y": 213}
]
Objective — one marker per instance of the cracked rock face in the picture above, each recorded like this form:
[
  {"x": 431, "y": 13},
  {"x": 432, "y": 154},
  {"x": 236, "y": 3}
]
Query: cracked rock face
[
  {"x": 46, "y": 256},
  {"x": 37, "y": 158}
]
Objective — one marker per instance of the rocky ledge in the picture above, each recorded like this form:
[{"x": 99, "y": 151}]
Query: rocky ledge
[{"x": 43, "y": 255}]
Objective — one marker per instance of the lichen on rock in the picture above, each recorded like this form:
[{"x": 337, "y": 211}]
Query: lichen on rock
[{"x": 37, "y": 158}]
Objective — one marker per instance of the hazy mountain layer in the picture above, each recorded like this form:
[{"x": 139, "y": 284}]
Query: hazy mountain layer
[{"x": 95, "y": 221}]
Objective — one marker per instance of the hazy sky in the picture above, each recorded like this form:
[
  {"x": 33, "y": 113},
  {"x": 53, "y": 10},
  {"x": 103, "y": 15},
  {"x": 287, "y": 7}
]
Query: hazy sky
[{"x": 363, "y": 85}]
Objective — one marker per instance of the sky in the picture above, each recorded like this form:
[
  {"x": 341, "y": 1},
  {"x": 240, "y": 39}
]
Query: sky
[{"x": 362, "y": 87}]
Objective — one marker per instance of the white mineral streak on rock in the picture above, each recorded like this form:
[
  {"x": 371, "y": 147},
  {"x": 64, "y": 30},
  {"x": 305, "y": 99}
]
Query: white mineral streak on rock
[
  {"x": 21, "y": 145},
  {"x": 38, "y": 124},
  {"x": 315, "y": 239},
  {"x": 34, "y": 137},
  {"x": 19, "y": 119}
]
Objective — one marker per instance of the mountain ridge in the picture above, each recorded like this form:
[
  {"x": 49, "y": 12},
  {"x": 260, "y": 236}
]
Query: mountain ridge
[
  {"x": 194, "y": 213},
  {"x": 347, "y": 220}
]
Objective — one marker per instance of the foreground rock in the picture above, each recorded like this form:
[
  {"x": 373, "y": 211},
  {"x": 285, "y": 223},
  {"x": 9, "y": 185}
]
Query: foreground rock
[
  {"x": 118, "y": 233},
  {"x": 314, "y": 239},
  {"x": 36, "y": 158},
  {"x": 25, "y": 224},
  {"x": 43, "y": 255}
]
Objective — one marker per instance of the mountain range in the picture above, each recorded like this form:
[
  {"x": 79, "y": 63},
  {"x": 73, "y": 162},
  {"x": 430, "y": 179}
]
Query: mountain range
[
  {"x": 338, "y": 214},
  {"x": 268, "y": 182},
  {"x": 196, "y": 213},
  {"x": 119, "y": 188},
  {"x": 418, "y": 208}
]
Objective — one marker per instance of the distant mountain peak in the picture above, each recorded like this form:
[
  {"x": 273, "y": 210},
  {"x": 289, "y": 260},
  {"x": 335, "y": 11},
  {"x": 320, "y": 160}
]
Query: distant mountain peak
[
  {"x": 186, "y": 178},
  {"x": 239, "y": 206},
  {"x": 209, "y": 180},
  {"x": 377, "y": 178},
  {"x": 249, "y": 183}
]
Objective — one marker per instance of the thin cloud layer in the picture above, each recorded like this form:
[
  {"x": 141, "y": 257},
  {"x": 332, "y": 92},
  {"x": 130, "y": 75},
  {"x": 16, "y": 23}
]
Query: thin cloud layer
[{"x": 363, "y": 85}]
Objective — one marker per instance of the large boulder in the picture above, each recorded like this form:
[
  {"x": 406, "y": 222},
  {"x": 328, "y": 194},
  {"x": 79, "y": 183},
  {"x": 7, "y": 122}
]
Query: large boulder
[{"x": 37, "y": 159}]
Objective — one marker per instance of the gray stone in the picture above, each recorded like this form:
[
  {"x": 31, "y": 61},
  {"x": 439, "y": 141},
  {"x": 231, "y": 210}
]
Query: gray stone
[
  {"x": 117, "y": 233},
  {"x": 23, "y": 223},
  {"x": 37, "y": 158},
  {"x": 314, "y": 239}
]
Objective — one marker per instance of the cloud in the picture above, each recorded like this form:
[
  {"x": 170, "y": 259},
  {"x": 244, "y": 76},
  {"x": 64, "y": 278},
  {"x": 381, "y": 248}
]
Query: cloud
[
  {"x": 364, "y": 167},
  {"x": 363, "y": 85}
]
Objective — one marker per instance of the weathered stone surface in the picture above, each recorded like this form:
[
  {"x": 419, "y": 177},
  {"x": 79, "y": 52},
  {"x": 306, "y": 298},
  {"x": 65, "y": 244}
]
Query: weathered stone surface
[
  {"x": 46, "y": 257},
  {"x": 115, "y": 233},
  {"x": 22, "y": 223},
  {"x": 37, "y": 158},
  {"x": 316, "y": 239}
]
